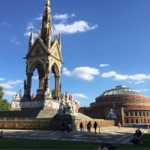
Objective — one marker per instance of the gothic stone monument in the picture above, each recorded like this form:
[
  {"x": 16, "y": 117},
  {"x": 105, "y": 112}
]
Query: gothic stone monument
[{"x": 44, "y": 54}]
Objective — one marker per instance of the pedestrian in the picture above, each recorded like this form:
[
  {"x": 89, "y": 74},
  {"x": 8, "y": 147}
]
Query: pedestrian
[
  {"x": 89, "y": 125},
  {"x": 119, "y": 125},
  {"x": 1, "y": 134},
  {"x": 69, "y": 127},
  {"x": 139, "y": 133},
  {"x": 63, "y": 128},
  {"x": 95, "y": 127},
  {"x": 99, "y": 128},
  {"x": 81, "y": 127}
]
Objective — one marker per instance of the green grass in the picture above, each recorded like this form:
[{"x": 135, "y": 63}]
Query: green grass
[
  {"x": 48, "y": 144},
  {"x": 144, "y": 146},
  {"x": 44, "y": 144}
]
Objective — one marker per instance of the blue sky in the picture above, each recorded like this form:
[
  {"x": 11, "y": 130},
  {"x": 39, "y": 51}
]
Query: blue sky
[{"x": 105, "y": 43}]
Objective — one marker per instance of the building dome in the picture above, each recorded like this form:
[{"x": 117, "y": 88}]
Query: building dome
[
  {"x": 121, "y": 96},
  {"x": 121, "y": 90},
  {"x": 124, "y": 104}
]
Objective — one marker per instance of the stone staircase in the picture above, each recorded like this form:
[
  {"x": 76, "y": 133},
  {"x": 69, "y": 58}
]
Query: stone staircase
[
  {"x": 47, "y": 114},
  {"x": 19, "y": 114},
  {"x": 82, "y": 116}
]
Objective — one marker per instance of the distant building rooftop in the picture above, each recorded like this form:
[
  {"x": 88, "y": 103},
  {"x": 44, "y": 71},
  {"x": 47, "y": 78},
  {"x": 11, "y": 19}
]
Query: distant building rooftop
[{"x": 121, "y": 90}]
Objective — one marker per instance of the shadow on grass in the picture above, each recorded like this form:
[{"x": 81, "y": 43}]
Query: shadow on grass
[{"x": 50, "y": 144}]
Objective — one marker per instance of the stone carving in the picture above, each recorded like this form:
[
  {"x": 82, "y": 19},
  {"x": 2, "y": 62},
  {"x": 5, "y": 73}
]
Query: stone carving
[
  {"x": 48, "y": 93},
  {"x": 48, "y": 103},
  {"x": 66, "y": 106},
  {"x": 17, "y": 96},
  {"x": 15, "y": 104},
  {"x": 111, "y": 114},
  {"x": 62, "y": 109}
]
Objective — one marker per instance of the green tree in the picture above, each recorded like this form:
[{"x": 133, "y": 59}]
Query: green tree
[{"x": 4, "y": 104}]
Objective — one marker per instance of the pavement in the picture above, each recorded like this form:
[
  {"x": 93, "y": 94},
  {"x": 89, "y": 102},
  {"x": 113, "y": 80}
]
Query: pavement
[{"x": 111, "y": 134}]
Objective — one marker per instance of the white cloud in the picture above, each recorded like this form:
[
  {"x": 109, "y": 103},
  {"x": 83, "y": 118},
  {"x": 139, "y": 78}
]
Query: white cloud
[
  {"x": 144, "y": 90},
  {"x": 11, "y": 93},
  {"x": 139, "y": 82},
  {"x": 35, "y": 77},
  {"x": 135, "y": 77},
  {"x": 15, "y": 41},
  {"x": 6, "y": 85},
  {"x": 104, "y": 65},
  {"x": 30, "y": 26},
  {"x": 79, "y": 95},
  {"x": 28, "y": 33},
  {"x": 39, "y": 18},
  {"x": 15, "y": 82},
  {"x": 5, "y": 24},
  {"x": 77, "y": 26},
  {"x": 10, "y": 84},
  {"x": 85, "y": 73},
  {"x": 2, "y": 79},
  {"x": 63, "y": 16}
]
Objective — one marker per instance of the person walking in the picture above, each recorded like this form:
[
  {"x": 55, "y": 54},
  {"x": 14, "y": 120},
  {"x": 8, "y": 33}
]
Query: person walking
[
  {"x": 95, "y": 127},
  {"x": 89, "y": 125},
  {"x": 1, "y": 134},
  {"x": 81, "y": 127},
  {"x": 119, "y": 125}
]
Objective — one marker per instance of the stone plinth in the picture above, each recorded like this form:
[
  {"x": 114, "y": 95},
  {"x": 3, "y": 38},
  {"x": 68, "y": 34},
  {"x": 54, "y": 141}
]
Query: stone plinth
[
  {"x": 66, "y": 118},
  {"x": 35, "y": 104}
]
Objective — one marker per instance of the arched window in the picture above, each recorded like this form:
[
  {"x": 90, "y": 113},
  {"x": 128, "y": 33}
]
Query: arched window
[
  {"x": 129, "y": 114},
  {"x": 135, "y": 113},
  {"x": 127, "y": 121}
]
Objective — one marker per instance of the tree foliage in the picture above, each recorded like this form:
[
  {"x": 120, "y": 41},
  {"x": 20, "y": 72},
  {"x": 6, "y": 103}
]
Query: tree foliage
[{"x": 4, "y": 104}]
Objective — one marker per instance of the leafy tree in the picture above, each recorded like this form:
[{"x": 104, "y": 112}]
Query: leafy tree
[
  {"x": 1, "y": 93},
  {"x": 4, "y": 104}
]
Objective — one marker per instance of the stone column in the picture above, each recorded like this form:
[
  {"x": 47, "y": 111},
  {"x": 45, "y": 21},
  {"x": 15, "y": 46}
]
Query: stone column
[
  {"x": 122, "y": 116},
  {"x": 46, "y": 85},
  {"x": 29, "y": 79},
  {"x": 57, "y": 87}
]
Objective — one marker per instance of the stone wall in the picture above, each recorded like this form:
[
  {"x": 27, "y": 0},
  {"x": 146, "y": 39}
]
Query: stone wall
[
  {"x": 48, "y": 124},
  {"x": 24, "y": 123}
]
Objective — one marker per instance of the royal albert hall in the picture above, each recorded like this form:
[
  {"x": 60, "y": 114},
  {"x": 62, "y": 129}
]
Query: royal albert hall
[{"x": 124, "y": 104}]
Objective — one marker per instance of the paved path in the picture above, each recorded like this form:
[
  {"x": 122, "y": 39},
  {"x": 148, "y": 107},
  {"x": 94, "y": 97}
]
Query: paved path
[{"x": 108, "y": 134}]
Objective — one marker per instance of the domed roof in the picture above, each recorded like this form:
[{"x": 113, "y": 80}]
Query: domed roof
[{"x": 121, "y": 90}]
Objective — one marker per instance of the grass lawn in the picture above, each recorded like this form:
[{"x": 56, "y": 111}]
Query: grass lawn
[{"x": 47, "y": 144}]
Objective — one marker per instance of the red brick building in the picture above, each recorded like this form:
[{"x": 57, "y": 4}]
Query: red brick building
[{"x": 123, "y": 104}]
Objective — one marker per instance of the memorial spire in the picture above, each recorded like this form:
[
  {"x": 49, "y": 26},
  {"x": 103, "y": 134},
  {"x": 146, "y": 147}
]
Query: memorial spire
[
  {"x": 46, "y": 30},
  {"x": 31, "y": 40}
]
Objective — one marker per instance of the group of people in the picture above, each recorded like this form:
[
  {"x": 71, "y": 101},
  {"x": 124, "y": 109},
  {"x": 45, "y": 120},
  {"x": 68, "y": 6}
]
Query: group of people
[
  {"x": 65, "y": 127},
  {"x": 89, "y": 125},
  {"x": 136, "y": 137}
]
